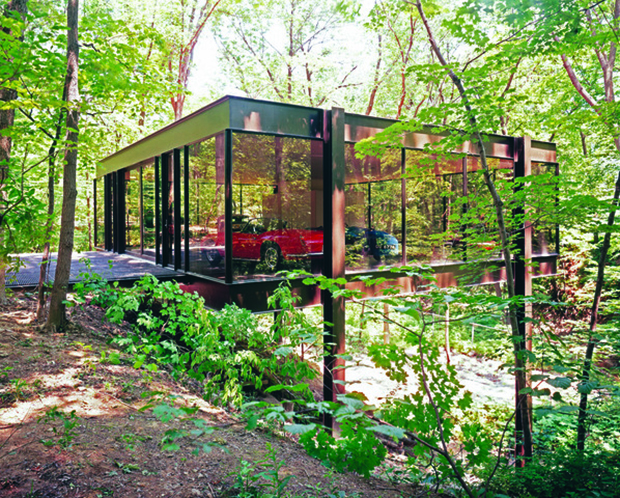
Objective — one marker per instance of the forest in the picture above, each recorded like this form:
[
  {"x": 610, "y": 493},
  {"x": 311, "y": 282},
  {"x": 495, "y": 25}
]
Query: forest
[{"x": 111, "y": 389}]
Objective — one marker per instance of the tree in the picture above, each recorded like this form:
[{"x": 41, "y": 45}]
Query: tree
[
  {"x": 57, "y": 318},
  {"x": 288, "y": 49},
  {"x": 12, "y": 30}
]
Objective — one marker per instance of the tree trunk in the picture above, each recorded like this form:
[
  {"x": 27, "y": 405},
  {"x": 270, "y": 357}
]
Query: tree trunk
[
  {"x": 57, "y": 318},
  {"x": 7, "y": 117},
  {"x": 596, "y": 301},
  {"x": 523, "y": 403},
  {"x": 43, "y": 271}
]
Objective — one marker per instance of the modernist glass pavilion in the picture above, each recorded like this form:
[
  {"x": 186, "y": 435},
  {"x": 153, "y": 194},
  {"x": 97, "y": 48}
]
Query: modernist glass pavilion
[{"x": 242, "y": 189}]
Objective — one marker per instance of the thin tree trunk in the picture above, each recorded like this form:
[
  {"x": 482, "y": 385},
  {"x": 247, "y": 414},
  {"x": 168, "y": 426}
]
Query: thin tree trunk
[
  {"x": 596, "y": 302},
  {"x": 43, "y": 271},
  {"x": 524, "y": 440},
  {"x": 607, "y": 62},
  {"x": 57, "y": 318},
  {"x": 7, "y": 118}
]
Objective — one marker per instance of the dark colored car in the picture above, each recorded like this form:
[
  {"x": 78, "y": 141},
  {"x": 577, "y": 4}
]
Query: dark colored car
[{"x": 375, "y": 243}]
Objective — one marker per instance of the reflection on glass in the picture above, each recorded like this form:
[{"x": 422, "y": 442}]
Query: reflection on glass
[
  {"x": 433, "y": 196},
  {"x": 481, "y": 222},
  {"x": 277, "y": 205},
  {"x": 132, "y": 209},
  {"x": 373, "y": 210},
  {"x": 206, "y": 207},
  {"x": 542, "y": 207},
  {"x": 148, "y": 209},
  {"x": 168, "y": 195},
  {"x": 100, "y": 214}
]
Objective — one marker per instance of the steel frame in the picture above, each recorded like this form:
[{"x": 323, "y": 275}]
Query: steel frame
[{"x": 335, "y": 128}]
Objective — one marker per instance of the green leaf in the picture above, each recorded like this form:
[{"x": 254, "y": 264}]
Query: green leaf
[
  {"x": 395, "y": 432},
  {"x": 299, "y": 428},
  {"x": 252, "y": 422},
  {"x": 560, "y": 382}
]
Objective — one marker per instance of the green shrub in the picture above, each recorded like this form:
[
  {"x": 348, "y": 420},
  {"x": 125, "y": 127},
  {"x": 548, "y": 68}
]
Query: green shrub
[
  {"x": 565, "y": 473},
  {"x": 226, "y": 350}
]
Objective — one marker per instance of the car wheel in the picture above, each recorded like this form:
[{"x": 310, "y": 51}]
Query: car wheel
[{"x": 271, "y": 256}]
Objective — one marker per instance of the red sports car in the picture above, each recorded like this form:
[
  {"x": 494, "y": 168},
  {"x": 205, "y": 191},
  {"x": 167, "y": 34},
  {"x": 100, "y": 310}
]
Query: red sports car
[{"x": 270, "y": 241}]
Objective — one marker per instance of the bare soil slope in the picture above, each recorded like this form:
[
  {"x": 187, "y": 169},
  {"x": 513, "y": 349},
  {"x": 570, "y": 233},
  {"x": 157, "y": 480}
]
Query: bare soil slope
[{"x": 111, "y": 448}]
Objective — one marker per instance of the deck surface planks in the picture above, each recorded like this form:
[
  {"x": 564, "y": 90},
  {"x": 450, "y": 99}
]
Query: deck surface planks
[{"x": 109, "y": 265}]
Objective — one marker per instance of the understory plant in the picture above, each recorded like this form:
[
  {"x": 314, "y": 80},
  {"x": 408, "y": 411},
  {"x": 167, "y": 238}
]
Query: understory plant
[{"x": 228, "y": 351}]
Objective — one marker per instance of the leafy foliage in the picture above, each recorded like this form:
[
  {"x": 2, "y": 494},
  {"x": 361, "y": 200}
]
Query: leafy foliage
[{"x": 228, "y": 351}]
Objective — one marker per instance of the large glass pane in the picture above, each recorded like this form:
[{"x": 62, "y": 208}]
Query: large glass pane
[
  {"x": 132, "y": 209},
  {"x": 277, "y": 205},
  {"x": 373, "y": 210},
  {"x": 100, "y": 214},
  {"x": 433, "y": 195},
  {"x": 481, "y": 221},
  {"x": 168, "y": 196},
  {"x": 206, "y": 207},
  {"x": 542, "y": 200},
  {"x": 148, "y": 209}
]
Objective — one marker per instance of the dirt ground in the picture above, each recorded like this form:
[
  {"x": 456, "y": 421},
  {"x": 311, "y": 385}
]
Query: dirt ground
[{"x": 109, "y": 447}]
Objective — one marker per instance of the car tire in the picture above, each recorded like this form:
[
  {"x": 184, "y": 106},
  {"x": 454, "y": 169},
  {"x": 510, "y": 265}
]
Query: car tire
[{"x": 271, "y": 256}]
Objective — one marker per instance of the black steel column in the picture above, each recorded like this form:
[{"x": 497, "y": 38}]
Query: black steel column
[
  {"x": 177, "y": 207},
  {"x": 403, "y": 205},
  {"x": 107, "y": 212},
  {"x": 228, "y": 209},
  {"x": 523, "y": 276},
  {"x": 334, "y": 252},
  {"x": 95, "y": 207},
  {"x": 141, "y": 206},
  {"x": 165, "y": 216},
  {"x": 186, "y": 206},
  {"x": 158, "y": 223}
]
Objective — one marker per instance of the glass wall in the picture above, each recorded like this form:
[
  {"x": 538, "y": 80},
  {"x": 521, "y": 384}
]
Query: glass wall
[
  {"x": 100, "y": 213},
  {"x": 132, "y": 209},
  {"x": 480, "y": 222},
  {"x": 148, "y": 209},
  {"x": 434, "y": 203},
  {"x": 542, "y": 204},
  {"x": 206, "y": 207},
  {"x": 277, "y": 205},
  {"x": 373, "y": 209}
]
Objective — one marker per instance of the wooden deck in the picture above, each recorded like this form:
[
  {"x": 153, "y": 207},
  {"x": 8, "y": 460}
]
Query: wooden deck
[{"x": 111, "y": 266}]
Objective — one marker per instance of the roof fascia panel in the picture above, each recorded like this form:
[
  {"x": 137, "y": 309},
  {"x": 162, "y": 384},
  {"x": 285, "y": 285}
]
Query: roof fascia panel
[{"x": 196, "y": 126}]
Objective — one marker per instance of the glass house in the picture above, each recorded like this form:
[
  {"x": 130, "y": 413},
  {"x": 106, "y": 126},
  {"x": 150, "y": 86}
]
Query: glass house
[{"x": 242, "y": 189}]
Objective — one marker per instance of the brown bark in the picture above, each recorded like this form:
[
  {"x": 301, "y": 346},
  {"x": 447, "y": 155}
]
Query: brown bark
[
  {"x": 57, "y": 318},
  {"x": 185, "y": 54},
  {"x": 7, "y": 118},
  {"x": 43, "y": 270},
  {"x": 607, "y": 63},
  {"x": 524, "y": 439}
]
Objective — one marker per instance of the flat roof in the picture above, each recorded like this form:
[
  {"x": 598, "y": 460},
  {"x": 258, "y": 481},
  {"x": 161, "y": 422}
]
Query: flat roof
[{"x": 245, "y": 114}]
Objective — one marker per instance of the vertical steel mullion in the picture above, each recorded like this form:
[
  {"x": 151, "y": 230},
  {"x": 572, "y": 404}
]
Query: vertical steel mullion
[
  {"x": 522, "y": 168},
  {"x": 464, "y": 209},
  {"x": 141, "y": 212},
  {"x": 334, "y": 253},
  {"x": 228, "y": 166},
  {"x": 95, "y": 207},
  {"x": 186, "y": 206},
  {"x": 157, "y": 219},
  {"x": 165, "y": 234},
  {"x": 403, "y": 205},
  {"x": 176, "y": 163}
]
